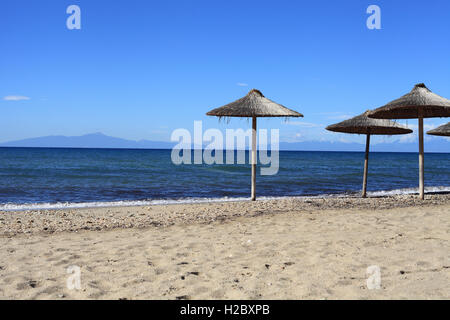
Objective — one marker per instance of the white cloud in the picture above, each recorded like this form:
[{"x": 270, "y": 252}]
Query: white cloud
[
  {"x": 426, "y": 127},
  {"x": 240, "y": 84},
  {"x": 343, "y": 140},
  {"x": 413, "y": 137},
  {"x": 303, "y": 124},
  {"x": 335, "y": 115},
  {"x": 407, "y": 138},
  {"x": 15, "y": 98},
  {"x": 340, "y": 117}
]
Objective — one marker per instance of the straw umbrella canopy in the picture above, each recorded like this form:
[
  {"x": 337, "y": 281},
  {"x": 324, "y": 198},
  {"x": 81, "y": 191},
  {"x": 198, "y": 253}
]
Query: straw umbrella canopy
[
  {"x": 443, "y": 130},
  {"x": 362, "y": 124},
  {"x": 253, "y": 105},
  {"x": 420, "y": 103}
]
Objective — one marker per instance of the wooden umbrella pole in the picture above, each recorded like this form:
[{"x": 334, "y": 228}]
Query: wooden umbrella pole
[
  {"x": 366, "y": 166},
  {"x": 421, "y": 161},
  {"x": 254, "y": 159}
]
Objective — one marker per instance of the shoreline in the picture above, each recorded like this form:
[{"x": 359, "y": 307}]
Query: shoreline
[
  {"x": 14, "y": 207},
  {"x": 51, "y": 221}
]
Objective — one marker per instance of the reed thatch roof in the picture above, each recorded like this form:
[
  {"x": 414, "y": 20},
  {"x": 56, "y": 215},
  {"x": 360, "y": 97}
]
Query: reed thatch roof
[
  {"x": 254, "y": 104},
  {"x": 408, "y": 106},
  {"x": 443, "y": 130},
  {"x": 362, "y": 124}
]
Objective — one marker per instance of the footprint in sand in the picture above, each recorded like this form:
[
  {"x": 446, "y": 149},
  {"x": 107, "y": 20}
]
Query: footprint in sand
[
  {"x": 160, "y": 271},
  {"x": 27, "y": 285}
]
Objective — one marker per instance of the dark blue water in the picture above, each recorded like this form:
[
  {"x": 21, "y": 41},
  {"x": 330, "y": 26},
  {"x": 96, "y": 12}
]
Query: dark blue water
[{"x": 29, "y": 175}]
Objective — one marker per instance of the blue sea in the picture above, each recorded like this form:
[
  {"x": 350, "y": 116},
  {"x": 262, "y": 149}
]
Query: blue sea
[{"x": 57, "y": 177}]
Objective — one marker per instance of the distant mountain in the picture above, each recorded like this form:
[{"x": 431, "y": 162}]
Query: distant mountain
[
  {"x": 93, "y": 140},
  {"x": 99, "y": 140}
]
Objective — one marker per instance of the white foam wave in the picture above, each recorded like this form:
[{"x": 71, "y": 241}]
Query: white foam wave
[
  {"x": 407, "y": 191},
  {"x": 99, "y": 204},
  {"x": 128, "y": 203}
]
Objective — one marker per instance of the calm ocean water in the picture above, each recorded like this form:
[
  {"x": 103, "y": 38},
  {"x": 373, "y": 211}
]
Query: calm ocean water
[{"x": 47, "y": 178}]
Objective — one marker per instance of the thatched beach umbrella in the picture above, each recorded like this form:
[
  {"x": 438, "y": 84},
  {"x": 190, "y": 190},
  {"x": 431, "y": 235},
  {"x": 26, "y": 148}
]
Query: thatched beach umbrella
[
  {"x": 364, "y": 125},
  {"x": 443, "y": 130},
  {"x": 253, "y": 105},
  {"x": 420, "y": 103}
]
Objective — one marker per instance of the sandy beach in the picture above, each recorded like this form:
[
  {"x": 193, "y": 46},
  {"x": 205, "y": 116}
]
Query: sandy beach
[{"x": 276, "y": 249}]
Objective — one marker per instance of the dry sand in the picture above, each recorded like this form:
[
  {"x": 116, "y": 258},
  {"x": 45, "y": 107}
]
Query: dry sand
[{"x": 279, "y": 249}]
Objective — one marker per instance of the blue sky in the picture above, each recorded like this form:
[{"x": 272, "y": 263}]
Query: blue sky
[{"x": 140, "y": 69}]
